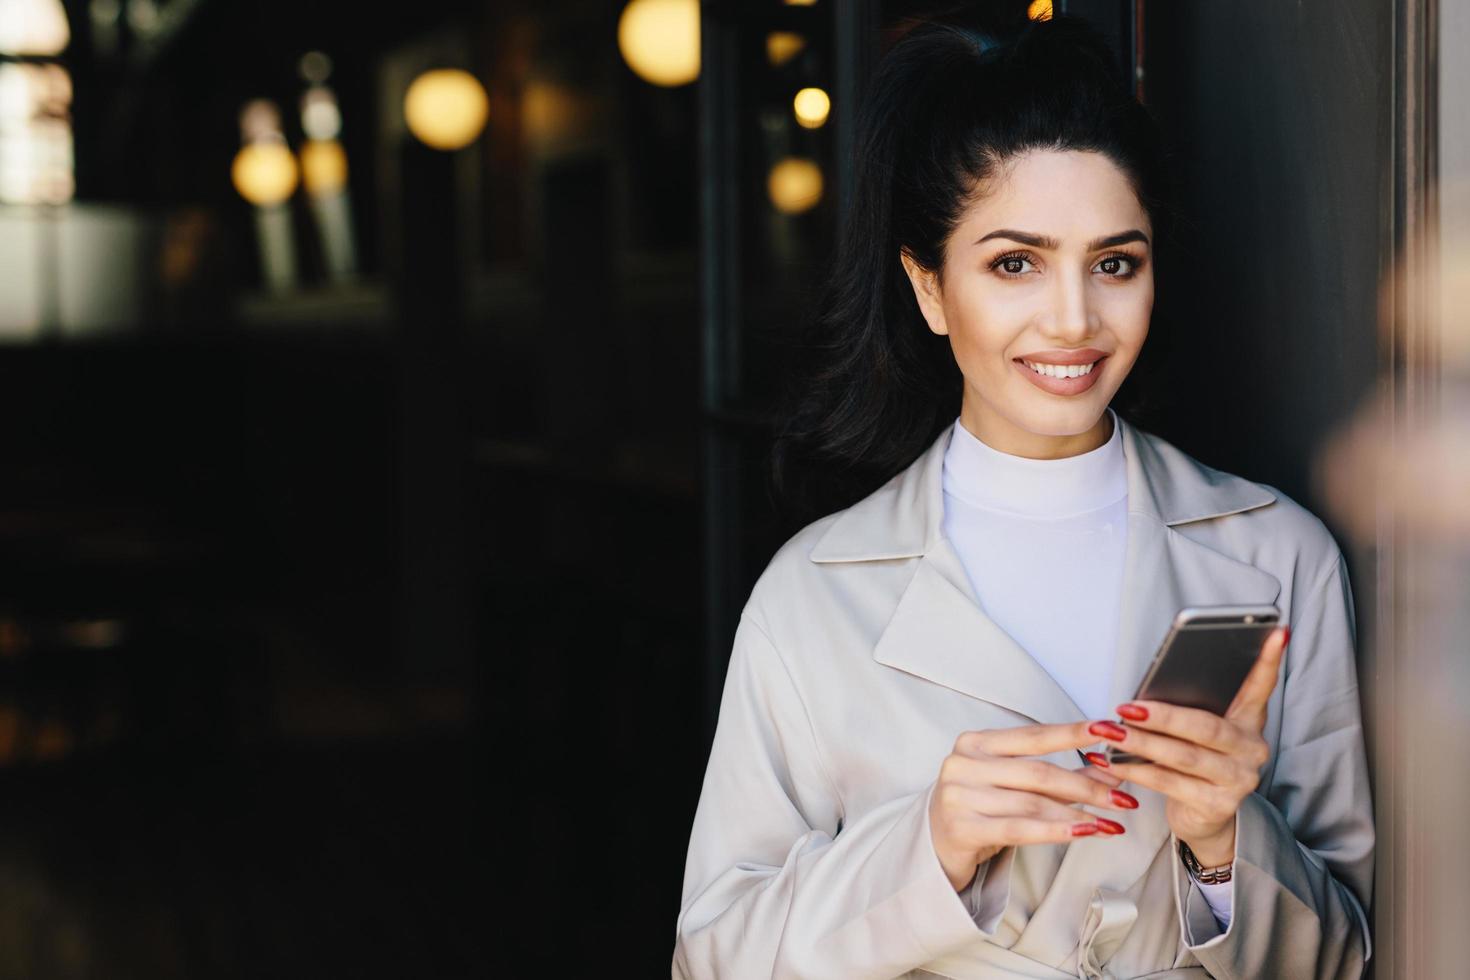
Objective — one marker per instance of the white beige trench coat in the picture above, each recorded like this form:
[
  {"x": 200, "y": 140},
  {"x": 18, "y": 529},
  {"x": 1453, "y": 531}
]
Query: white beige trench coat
[{"x": 863, "y": 653}]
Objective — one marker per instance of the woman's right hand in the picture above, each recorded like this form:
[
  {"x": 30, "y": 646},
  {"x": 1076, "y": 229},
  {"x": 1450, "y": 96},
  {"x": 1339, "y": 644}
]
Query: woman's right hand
[{"x": 989, "y": 795}]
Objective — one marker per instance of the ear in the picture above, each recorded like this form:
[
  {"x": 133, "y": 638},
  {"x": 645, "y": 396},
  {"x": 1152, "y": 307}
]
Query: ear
[{"x": 926, "y": 291}]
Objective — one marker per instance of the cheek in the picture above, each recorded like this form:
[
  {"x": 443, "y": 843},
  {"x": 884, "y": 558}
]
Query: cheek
[
  {"x": 985, "y": 322},
  {"x": 1128, "y": 310}
]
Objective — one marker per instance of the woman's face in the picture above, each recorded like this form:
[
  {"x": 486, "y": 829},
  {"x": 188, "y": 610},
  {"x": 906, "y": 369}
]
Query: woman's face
[{"x": 1052, "y": 264}]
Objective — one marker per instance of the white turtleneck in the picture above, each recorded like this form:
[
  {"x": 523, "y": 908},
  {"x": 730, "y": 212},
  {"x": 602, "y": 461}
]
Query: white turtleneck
[{"x": 1042, "y": 541}]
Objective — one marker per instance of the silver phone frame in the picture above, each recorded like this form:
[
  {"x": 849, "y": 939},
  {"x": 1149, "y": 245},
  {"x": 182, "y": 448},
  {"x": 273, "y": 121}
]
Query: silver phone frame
[{"x": 1189, "y": 617}]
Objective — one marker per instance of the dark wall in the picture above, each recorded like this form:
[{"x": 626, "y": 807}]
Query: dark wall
[{"x": 1279, "y": 117}]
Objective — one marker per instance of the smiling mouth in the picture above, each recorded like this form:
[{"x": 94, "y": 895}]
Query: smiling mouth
[{"x": 1061, "y": 370}]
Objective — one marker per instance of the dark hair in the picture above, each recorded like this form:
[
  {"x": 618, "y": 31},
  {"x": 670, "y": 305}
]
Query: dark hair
[{"x": 954, "y": 98}]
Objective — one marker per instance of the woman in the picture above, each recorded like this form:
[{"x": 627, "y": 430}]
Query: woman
[{"x": 896, "y": 785}]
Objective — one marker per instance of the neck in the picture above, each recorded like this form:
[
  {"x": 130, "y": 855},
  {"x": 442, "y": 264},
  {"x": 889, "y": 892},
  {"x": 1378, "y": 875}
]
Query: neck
[{"x": 1004, "y": 436}]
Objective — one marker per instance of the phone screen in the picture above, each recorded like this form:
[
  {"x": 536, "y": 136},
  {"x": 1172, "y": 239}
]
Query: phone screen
[{"x": 1204, "y": 659}]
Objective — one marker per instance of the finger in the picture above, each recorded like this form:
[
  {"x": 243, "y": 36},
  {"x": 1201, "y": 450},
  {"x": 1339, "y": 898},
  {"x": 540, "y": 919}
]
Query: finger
[
  {"x": 993, "y": 801},
  {"x": 1098, "y": 767},
  {"x": 1024, "y": 830},
  {"x": 1106, "y": 778},
  {"x": 1176, "y": 785},
  {"x": 1188, "y": 724},
  {"x": 1025, "y": 740},
  {"x": 1186, "y": 757},
  {"x": 1249, "y": 705},
  {"x": 1038, "y": 776},
  {"x": 1102, "y": 775}
]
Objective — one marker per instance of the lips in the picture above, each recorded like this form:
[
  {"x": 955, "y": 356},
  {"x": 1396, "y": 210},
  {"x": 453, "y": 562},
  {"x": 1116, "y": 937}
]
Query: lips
[
  {"x": 1064, "y": 386},
  {"x": 1082, "y": 355}
]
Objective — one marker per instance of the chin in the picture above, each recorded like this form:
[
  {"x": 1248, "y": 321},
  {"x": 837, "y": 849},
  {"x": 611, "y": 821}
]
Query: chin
[{"x": 1063, "y": 420}]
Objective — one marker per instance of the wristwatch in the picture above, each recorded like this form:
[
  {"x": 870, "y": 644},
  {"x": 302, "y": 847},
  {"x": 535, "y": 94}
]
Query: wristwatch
[{"x": 1205, "y": 876}]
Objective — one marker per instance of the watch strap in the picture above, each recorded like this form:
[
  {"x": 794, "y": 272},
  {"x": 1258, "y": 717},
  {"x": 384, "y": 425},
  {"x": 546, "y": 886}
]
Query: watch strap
[{"x": 1206, "y": 876}]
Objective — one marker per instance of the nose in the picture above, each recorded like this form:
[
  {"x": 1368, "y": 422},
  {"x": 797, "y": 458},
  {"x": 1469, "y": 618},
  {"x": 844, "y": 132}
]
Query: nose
[{"x": 1072, "y": 318}]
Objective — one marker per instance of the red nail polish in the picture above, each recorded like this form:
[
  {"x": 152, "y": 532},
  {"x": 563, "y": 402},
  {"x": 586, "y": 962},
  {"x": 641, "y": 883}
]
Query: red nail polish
[
  {"x": 1098, "y": 759},
  {"x": 1123, "y": 800},
  {"x": 1285, "y": 635},
  {"x": 1109, "y": 826},
  {"x": 1107, "y": 730},
  {"x": 1133, "y": 712},
  {"x": 1084, "y": 829}
]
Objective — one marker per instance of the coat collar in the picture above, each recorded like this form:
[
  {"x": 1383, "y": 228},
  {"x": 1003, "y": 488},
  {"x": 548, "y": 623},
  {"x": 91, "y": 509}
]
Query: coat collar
[{"x": 902, "y": 518}]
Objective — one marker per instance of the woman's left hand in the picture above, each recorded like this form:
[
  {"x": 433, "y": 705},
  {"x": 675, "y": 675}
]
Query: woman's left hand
[{"x": 1204, "y": 763}]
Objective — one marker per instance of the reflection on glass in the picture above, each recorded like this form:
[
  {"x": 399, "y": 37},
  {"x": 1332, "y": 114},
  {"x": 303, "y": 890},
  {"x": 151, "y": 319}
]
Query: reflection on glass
[
  {"x": 782, "y": 46},
  {"x": 265, "y": 174},
  {"x": 324, "y": 169},
  {"x": 33, "y": 27},
  {"x": 36, "y": 163}
]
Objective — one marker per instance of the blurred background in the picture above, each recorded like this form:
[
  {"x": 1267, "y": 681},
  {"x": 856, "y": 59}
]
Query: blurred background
[{"x": 384, "y": 398}]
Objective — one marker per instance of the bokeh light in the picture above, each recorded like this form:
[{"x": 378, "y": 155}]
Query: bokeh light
[
  {"x": 795, "y": 185},
  {"x": 265, "y": 173},
  {"x": 811, "y": 106},
  {"x": 659, "y": 39},
  {"x": 1039, "y": 10},
  {"x": 782, "y": 46},
  {"x": 446, "y": 108},
  {"x": 323, "y": 166},
  {"x": 321, "y": 119}
]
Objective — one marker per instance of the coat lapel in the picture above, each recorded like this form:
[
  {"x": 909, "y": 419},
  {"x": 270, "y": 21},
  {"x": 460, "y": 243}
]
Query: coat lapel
[
  {"x": 1164, "y": 569},
  {"x": 940, "y": 633}
]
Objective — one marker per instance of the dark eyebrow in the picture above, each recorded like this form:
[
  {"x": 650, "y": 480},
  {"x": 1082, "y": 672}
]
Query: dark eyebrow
[{"x": 1047, "y": 242}]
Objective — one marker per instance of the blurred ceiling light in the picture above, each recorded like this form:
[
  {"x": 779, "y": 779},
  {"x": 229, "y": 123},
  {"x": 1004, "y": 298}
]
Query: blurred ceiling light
[
  {"x": 659, "y": 40},
  {"x": 795, "y": 185},
  {"x": 801, "y": 3},
  {"x": 446, "y": 108},
  {"x": 323, "y": 166},
  {"x": 1039, "y": 10},
  {"x": 265, "y": 173},
  {"x": 33, "y": 27},
  {"x": 811, "y": 106},
  {"x": 782, "y": 46},
  {"x": 320, "y": 117},
  {"x": 315, "y": 67}
]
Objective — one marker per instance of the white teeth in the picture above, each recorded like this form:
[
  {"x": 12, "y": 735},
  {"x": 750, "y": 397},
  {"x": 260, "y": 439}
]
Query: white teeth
[{"x": 1059, "y": 370}]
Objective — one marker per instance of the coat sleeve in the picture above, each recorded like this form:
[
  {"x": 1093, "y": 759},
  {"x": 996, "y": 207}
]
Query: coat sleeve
[
  {"x": 777, "y": 883},
  {"x": 1304, "y": 840}
]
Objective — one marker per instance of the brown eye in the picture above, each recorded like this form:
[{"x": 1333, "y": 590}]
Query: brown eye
[
  {"x": 1011, "y": 265},
  {"x": 1120, "y": 266}
]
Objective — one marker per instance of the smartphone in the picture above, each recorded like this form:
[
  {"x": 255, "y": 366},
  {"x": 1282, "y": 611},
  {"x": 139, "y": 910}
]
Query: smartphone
[{"x": 1204, "y": 659}]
